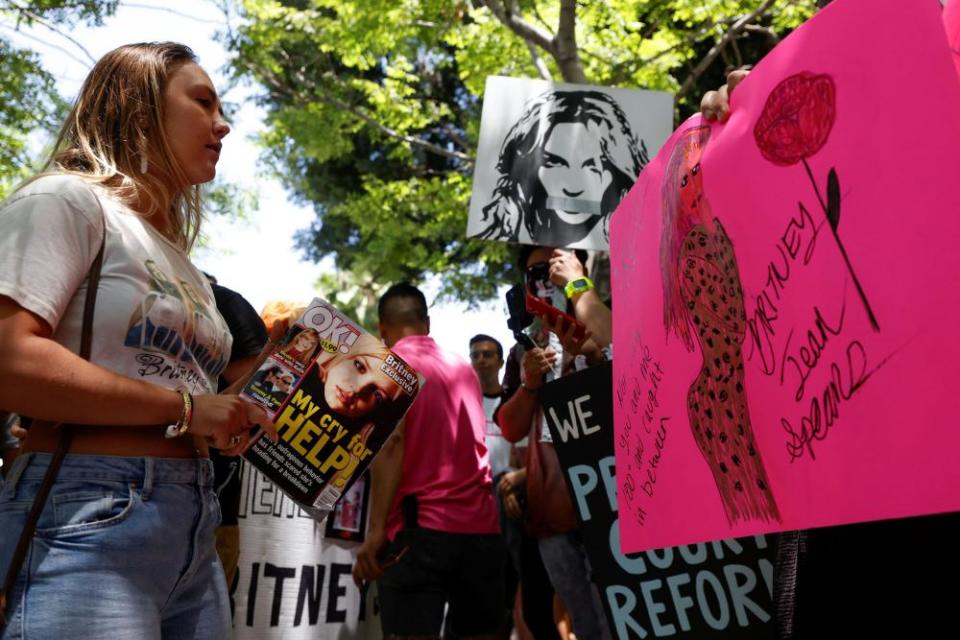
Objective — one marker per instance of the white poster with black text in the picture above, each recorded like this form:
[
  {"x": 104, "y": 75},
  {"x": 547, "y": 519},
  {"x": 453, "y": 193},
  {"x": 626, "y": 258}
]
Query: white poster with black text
[{"x": 292, "y": 582}]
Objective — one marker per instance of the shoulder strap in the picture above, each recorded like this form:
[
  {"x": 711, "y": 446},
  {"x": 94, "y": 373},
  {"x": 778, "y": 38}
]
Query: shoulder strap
[
  {"x": 90, "y": 301},
  {"x": 66, "y": 434}
]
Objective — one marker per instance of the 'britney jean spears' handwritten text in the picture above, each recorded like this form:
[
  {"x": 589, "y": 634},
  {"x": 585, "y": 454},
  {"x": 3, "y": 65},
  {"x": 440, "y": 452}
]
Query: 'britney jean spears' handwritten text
[
  {"x": 796, "y": 362},
  {"x": 637, "y": 398}
]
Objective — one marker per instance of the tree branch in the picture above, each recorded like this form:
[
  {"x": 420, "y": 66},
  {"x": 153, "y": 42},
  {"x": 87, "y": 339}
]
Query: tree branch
[
  {"x": 715, "y": 51},
  {"x": 530, "y": 33},
  {"x": 39, "y": 20},
  {"x": 182, "y": 14},
  {"x": 456, "y": 137},
  {"x": 23, "y": 34},
  {"x": 318, "y": 94},
  {"x": 538, "y": 62},
  {"x": 766, "y": 31}
]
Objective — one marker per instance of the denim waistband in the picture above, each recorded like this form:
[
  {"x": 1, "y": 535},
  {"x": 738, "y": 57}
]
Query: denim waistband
[{"x": 143, "y": 471}]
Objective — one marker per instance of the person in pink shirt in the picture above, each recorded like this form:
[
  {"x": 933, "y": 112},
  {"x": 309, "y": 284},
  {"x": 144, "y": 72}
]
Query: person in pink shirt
[{"x": 434, "y": 538}]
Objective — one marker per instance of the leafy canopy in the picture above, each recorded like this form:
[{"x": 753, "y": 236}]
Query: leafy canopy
[{"x": 373, "y": 106}]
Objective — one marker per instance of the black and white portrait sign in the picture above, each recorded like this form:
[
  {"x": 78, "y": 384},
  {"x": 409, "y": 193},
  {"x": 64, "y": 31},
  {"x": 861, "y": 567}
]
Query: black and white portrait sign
[{"x": 554, "y": 160}]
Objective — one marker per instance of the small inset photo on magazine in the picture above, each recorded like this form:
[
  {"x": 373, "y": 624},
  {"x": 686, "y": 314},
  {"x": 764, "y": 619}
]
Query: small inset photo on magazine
[
  {"x": 349, "y": 518},
  {"x": 301, "y": 345},
  {"x": 271, "y": 385}
]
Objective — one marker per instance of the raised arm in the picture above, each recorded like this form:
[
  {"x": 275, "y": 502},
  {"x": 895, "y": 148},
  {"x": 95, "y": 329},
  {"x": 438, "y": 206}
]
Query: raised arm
[
  {"x": 588, "y": 308},
  {"x": 516, "y": 413}
]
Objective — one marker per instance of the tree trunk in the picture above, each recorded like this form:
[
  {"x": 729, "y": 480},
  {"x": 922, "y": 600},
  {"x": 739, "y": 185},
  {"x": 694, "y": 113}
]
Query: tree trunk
[{"x": 567, "y": 55}]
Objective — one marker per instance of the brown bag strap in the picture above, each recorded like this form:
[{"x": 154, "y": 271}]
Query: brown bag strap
[{"x": 66, "y": 434}]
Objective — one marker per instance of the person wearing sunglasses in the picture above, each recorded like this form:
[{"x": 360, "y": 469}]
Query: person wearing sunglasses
[{"x": 550, "y": 516}]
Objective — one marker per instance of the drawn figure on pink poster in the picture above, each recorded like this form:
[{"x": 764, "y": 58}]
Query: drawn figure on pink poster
[{"x": 703, "y": 306}]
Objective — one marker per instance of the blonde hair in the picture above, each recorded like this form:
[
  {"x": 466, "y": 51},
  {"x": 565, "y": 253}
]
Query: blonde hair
[
  {"x": 307, "y": 356},
  {"x": 277, "y": 310},
  {"x": 117, "y": 122},
  {"x": 366, "y": 345}
]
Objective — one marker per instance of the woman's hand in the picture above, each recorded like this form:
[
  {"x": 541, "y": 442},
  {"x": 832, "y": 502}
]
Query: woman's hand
[
  {"x": 715, "y": 105},
  {"x": 511, "y": 506},
  {"x": 535, "y": 364},
  {"x": 508, "y": 485},
  {"x": 571, "y": 343},
  {"x": 226, "y": 421},
  {"x": 511, "y": 481},
  {"x": 367, "y": 566},
  {"x": 564, "y": 267}
]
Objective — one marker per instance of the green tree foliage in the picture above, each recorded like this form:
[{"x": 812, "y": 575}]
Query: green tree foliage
[
  {"x": 373, "y": 106},
  {"x": 29, "y": 101}
]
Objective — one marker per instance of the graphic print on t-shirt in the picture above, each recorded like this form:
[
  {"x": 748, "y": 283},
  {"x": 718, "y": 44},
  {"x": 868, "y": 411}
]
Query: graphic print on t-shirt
[{"x": 174, "y": 329}]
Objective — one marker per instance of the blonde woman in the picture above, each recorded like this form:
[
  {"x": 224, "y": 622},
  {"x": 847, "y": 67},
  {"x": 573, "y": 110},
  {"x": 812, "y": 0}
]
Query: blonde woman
[
  {"x": 124, "y": 547},
  {"x": 302, "y": 347}
]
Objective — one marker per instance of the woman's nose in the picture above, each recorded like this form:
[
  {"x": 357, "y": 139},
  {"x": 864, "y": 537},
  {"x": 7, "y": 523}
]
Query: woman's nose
[{"x": 221, "y": 127}]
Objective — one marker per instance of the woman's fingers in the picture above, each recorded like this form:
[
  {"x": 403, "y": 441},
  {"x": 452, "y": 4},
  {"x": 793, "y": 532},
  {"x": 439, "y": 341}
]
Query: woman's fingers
[
  {"x": 734, "y": 78},
  {"x": 240, "y": 438},
  {"x": 227, "y": 421},
  {"x": 715, "y": 105},
  {"x": 709, "y": 105},
  {"x": 512, "y": 507},
  {"x": 256, "y": 415},
  {"x": 237, "y": 444}
]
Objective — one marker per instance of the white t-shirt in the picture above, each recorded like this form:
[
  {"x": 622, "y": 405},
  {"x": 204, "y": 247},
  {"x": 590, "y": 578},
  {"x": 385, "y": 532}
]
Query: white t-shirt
[
  {"x": 497, "y": 446},
  {"x": 156, "y": 318}
]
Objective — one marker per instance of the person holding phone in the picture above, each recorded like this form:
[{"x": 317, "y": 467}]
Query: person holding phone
[{"x": 550, "y": 513}]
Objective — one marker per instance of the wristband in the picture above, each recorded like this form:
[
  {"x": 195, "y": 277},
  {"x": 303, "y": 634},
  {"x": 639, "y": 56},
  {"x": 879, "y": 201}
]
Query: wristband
[
  {"x": 533, "y": 392},
  {"x": 577, "y": 286},
  {"x": 186, "y": 415}
]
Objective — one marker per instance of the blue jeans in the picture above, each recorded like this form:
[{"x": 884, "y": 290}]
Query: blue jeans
[
  {"x": 565, "y": 559},
  {"x": 124, "y": 550}
]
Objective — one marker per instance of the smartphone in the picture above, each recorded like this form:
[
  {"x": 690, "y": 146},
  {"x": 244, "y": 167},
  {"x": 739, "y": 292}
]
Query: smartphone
[
  {"x": 538, "y": 307},
  {"x": 519, "y": 318}
]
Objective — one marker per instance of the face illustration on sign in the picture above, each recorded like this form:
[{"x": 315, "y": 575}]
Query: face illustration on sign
[{"x": 563, "y": 168}]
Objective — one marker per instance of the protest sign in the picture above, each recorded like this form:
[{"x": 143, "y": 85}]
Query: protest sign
[
  {"x": 292, "y": 582},
  {"x": 784, "y": 342},
  {"x": 951, "y": 21},
  {"x": 554, "y": 160},
  {"x": 712, "y": 590}
]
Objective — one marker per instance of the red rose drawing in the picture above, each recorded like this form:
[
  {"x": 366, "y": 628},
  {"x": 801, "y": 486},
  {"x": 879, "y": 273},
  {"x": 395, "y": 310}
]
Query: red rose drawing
[
  {"x": 795, "y": 124},
  {"x": 797, "y": 118}
]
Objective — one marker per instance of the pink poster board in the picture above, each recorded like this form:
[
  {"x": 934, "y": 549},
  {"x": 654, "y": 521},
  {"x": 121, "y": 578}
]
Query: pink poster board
[
  {"x": 786, "y": 293},
  {"x": 951, "y": 21}
]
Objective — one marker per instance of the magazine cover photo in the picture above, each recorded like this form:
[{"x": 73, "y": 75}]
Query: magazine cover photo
[{"x": 335, "y": 393}]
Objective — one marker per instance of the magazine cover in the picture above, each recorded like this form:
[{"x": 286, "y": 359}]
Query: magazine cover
[{"x": 335, "y": 393}]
